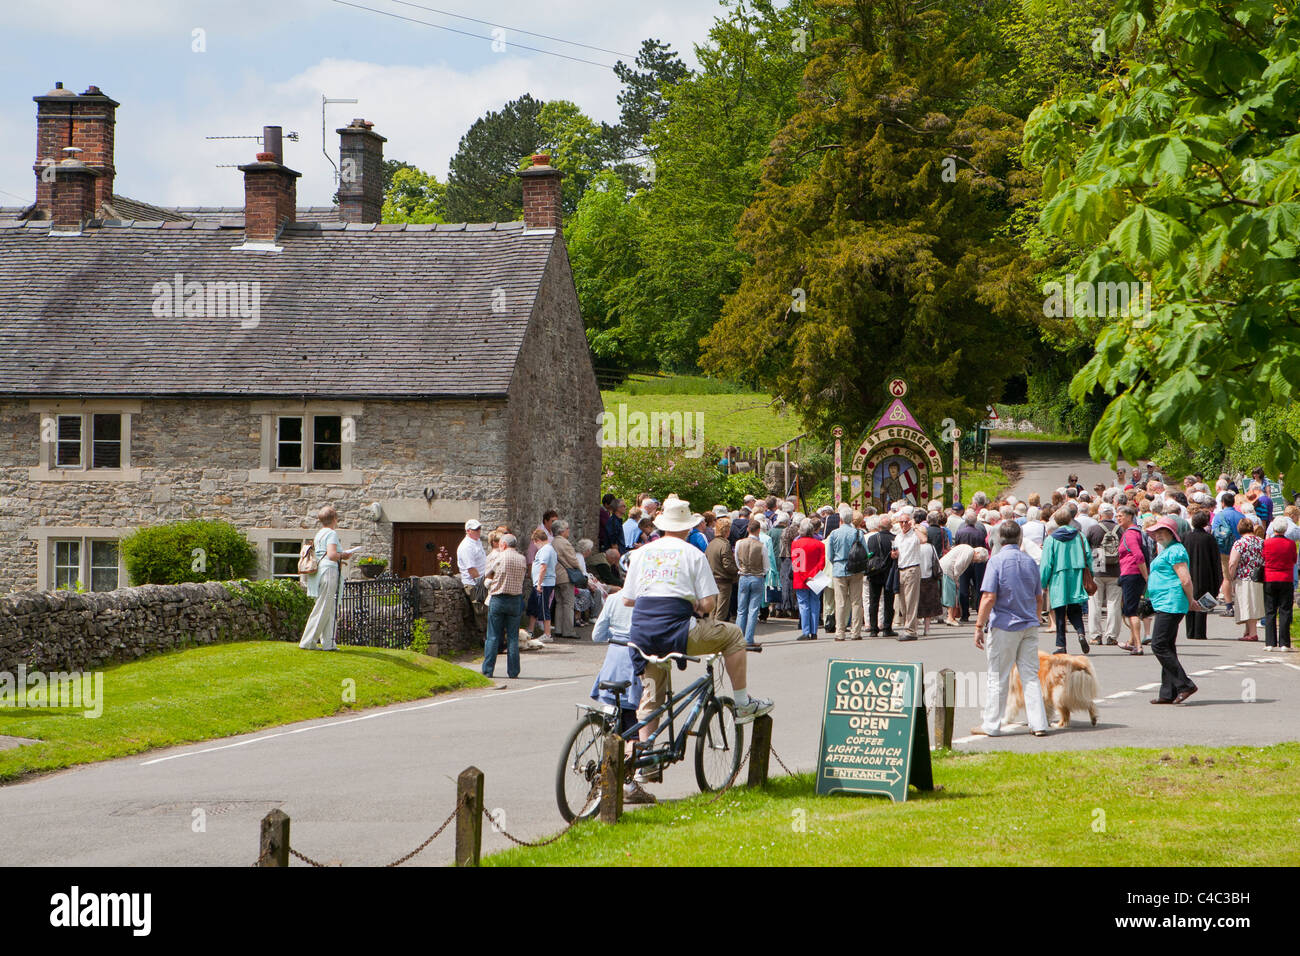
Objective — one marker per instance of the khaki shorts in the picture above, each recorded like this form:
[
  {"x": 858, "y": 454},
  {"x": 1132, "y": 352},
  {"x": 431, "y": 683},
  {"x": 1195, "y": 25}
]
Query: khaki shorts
[{"x": 706, "y": 637}]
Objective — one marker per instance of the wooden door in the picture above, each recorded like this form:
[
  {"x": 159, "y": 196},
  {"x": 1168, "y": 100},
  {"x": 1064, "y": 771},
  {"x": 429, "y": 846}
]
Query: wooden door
[{"x": 415, "y": 547}]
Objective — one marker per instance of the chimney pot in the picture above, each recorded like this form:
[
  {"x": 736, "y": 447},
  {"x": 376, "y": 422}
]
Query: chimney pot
[
  {"x": 543, "y": 207},
  {"x": 68, "y": 122},
  {"x": 270, "y": 193}
]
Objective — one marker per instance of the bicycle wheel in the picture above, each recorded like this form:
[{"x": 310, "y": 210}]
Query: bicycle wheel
[
  {"x": 719, "y": 745},
  {"x": 577, "y": 778}
]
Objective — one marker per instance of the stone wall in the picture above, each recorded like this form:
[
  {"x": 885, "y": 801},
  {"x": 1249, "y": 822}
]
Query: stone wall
[
  {"x": 554, "y": 407},
  {"x": 62, "y": 630},
  {"x": 452, "y": 628}
]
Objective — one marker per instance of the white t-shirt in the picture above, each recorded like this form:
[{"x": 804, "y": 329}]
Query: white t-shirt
[
  {"x": 470, "y": 554},
  {"x": 669, "y": 567},
  {"x": 1034, "y": 531},
  {"x": 324, "y": 537}
]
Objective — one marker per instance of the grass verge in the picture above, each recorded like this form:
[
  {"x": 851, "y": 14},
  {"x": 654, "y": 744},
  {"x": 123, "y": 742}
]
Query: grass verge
[
  {"x": 1190, "y": 806},
  {"x": 1038, "y": 436},
  {"x": 219, "y": 691},
  {"x": 993, "y": 480}
]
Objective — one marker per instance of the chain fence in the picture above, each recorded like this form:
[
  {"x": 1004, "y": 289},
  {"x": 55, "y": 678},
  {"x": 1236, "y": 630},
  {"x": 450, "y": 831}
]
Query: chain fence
[{"x": 592, "y": 797}]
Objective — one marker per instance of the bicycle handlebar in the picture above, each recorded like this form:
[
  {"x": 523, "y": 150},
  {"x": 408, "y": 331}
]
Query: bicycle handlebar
[{"x": 674, "y": 656}]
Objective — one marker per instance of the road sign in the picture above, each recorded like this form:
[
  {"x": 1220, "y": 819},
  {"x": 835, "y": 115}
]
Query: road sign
[
  {"x": 874, "y": 734},
  {"x": 992, "y": 413}
]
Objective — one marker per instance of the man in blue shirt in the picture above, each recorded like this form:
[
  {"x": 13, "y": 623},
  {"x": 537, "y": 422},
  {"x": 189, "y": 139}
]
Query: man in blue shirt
[
  {"x": 1009, "y": 611},
  {"x": 1224, "y": 529}
]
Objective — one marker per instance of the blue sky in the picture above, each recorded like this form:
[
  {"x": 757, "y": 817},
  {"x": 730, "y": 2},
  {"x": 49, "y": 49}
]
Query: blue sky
[{"x": 267, "y": 62}]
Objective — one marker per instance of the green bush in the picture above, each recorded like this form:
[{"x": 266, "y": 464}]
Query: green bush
[
  {"x": 285, "y": 595},
  {"x": 739, "y": 485},
  {"x": 186, "y": 551},
  {"x": 665, "y": 471}
]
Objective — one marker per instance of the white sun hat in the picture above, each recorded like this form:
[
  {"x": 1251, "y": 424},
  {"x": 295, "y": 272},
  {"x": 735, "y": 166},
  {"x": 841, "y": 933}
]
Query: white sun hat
[{"x": 675, "y": 516}]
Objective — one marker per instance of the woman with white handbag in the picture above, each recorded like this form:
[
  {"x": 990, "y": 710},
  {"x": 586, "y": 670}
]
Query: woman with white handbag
[{"x": 321, "y": 562}]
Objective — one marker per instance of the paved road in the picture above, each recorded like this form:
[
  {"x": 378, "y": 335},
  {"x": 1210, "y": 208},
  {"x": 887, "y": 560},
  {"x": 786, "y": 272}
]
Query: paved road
[
  {"x": 1044, "y": 465},
  {"x": 370, "y": 787}
]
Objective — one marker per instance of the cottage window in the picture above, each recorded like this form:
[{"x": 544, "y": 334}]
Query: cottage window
[
  {"x": 106, "y": 442},
  {"x": 77, "y": 561},
  {"x": 317, "y": 439},
  {"x": 67, "y": 565},
  {"x": 68, "y": 453},
  {"x": 308, "y": 443},
  {"x": 288, "y": 443},
  {"x": 284, "y": 558},
  {"x": 85, "y": 441},
  {"x": 327, "y": 443},
  {"x": 103, "y": 566}
]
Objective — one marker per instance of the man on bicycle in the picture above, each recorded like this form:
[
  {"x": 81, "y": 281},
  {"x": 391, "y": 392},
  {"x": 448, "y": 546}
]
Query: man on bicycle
[{"x": 672, "y": 590}]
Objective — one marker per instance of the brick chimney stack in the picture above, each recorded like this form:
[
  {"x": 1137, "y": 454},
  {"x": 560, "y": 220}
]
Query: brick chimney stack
[
  {"x": 72, "y": 193},
  {"x": 85, "y": 121},
  {"x": 542, "y": 208},
  {"x": 361, "y": 172},
  {"x": 270, "y": 190}
]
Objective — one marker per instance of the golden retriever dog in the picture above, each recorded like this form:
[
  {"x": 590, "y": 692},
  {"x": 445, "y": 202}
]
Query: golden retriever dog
[{"x": 1069, "y": 683}]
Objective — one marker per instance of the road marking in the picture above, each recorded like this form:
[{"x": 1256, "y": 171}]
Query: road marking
[
  {"x": 1149, "y": 686},
  {"x": 1225, "y": 667},
  {"x": 351, "y": 720},
  {"x": 1247, "y": 663},
  {"x": 1200, "y": 673}
]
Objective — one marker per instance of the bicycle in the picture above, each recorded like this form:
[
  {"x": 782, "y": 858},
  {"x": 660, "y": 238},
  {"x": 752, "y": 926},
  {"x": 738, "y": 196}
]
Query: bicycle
[{"x": 719, "y": 744}]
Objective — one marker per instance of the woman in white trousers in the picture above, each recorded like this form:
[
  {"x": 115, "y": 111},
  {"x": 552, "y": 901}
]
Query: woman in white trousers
[{"x": 324, "y": 584}]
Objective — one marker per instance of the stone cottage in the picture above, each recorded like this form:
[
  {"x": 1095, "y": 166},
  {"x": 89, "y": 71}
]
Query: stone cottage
[{"x": 161, "y": 364}]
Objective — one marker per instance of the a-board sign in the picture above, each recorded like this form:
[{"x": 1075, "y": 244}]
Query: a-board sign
[{"x": 874, "y": 730}]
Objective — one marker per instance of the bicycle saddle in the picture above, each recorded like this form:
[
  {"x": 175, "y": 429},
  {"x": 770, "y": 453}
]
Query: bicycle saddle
[{"x": 617, "y": 686}]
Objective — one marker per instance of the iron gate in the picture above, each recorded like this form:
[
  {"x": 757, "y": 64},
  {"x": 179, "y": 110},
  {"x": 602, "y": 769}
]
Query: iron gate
[{"x": 378, "y": 612}]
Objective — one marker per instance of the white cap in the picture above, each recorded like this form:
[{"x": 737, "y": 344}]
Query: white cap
[{"x": 472, "y": 525}]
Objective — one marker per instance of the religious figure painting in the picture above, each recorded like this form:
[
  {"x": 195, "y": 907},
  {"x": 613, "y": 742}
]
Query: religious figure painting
[{"x": 895, "y": 479}]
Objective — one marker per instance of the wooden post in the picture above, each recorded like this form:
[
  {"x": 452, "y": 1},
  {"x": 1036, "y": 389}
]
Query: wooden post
[
  {"x": 945, "y": 708},
  {"x": 469, "y": 816},
  {"x": 273, "y": 849},
  {"x": 611, "y": 779},
  {"x": 760, "y": 750}
]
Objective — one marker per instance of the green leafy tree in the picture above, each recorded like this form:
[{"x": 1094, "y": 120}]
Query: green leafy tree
[
  {"x": 578, "y": 147},
  {"x": 707, "y": 150},
  {"x": 481, "y": 182},
  {"x": 1184, "y": 173},
  {"x": 603, "y": 241},
  {"x": 876, "y": 235},
  {"x": 412, "y": 195}
]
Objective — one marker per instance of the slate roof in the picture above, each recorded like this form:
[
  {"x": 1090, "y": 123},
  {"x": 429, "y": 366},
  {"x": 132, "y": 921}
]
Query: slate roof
[
  {"x": 234, "y": 215},
  {"x": 123, "y": 207},
  {"x": 361, "y": 310}
]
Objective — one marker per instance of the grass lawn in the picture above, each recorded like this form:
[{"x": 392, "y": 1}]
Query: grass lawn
[
  {"x": 744, "y": 419},
  {"x": 1190, "y": 806},
  {"x": 218, "y": 691},
  {"x": 993, "y": 481}
]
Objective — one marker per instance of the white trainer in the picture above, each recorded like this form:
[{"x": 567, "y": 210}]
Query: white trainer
[{"x": 757, "y": 707}]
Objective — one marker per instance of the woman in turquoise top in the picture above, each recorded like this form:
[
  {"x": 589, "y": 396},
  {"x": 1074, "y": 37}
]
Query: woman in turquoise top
[
  {"x": 1169, "y": 588},
  {"x": 1065, "y": 556}
]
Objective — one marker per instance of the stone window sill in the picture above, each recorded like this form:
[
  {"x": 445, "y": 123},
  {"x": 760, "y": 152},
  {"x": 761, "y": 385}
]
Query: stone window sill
[
  {"x": 348, "y": 476},
  {"x": 43, "y": 473}
]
